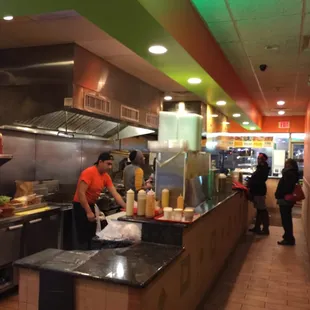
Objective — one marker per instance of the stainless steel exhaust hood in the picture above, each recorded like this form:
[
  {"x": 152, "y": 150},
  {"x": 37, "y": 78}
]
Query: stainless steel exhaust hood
[{"x": 65, "y": 90}]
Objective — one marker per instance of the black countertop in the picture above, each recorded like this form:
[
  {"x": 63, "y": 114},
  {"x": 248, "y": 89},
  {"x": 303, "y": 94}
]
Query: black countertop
[
  {"x": 133, "y": 266},
  {"x": 203, "y": 209},
  {"x": 19, "y": 219}
]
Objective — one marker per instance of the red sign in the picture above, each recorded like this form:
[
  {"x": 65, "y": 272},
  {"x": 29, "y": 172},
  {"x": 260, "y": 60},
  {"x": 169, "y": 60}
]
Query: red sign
[{"x": 284, "y": 125}]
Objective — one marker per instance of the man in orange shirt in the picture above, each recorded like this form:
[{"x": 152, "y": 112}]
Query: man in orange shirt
[{"x": 90, "y": 185}]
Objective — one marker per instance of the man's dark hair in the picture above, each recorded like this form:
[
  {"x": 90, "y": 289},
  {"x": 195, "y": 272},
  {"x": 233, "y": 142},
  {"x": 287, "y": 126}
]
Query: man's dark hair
[
  {"x": 103, "y": 157},
  {"x": 132, "y": 155}
]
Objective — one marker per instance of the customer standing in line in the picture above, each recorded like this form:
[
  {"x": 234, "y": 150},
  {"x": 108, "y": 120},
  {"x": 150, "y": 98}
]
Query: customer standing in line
[
  {"x": 258, "y": 190},
  {"x": 286, "y": 186}
]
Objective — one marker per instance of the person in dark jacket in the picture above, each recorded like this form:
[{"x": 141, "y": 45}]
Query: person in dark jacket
[
  {"x": 286, "y": 185},
  {"x": 258, "y": 190}
]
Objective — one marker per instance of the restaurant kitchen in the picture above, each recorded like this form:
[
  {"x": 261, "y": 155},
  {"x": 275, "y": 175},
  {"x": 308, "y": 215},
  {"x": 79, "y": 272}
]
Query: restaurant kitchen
[{"x": 66, "y": 117}]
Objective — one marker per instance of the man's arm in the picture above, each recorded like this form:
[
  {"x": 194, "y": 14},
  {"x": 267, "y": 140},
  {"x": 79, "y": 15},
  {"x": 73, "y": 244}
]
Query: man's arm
[
  {"x": 119, "y": 200},
  {"x": 82, "y": 188}
]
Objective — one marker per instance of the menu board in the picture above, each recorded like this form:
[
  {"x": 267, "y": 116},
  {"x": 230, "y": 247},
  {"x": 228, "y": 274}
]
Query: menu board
[{"x": 245, "y": 142}]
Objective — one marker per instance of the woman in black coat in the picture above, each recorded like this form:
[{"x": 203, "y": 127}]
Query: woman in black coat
[
  {"x": 258, "y": 189},
  {"x": 286, "y": 186}
]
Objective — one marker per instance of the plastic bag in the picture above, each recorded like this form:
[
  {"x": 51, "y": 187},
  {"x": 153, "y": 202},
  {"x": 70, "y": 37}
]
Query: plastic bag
[{"x": 120, "y": 231}]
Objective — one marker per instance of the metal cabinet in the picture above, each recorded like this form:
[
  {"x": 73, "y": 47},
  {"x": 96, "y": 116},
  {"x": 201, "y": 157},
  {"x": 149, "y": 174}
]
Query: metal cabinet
[
  {"x": 10, "y": 240},
  {"x": 41, "y": 233}
]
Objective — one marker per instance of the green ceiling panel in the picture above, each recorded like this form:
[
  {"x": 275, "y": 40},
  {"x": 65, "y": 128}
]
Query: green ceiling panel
[{"x": 129, "y": 22}]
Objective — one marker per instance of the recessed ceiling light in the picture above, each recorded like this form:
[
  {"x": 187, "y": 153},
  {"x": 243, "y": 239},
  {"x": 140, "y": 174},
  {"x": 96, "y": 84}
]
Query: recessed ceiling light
[
  {"x": 221, "y": 103},
  {"x": 8, "y": 17},
  {"x": 236, "y": 115},
  {"x": 214, "y": 115},
  {"x": 194, "y": 80},
  {"x": 281, "y": 102},
  {"x": 168, "y": 98},
  {"x": 157, "y": 49},
  {"x": 281, "y": 112},
  {"x": 246, "y": 123},
  {"x": 226, "y": 123},
  {"x": 252, "y": 128}
]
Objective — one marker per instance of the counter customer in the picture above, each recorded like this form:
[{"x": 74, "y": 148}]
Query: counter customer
[
  {"x": 286, "y": 186},
  {"x": 133, "y": 174},
  {"x": 91, "y": 183},
  {"x": 258, "y": 191}
]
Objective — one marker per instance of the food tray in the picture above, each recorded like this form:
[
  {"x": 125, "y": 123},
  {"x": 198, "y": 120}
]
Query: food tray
[{"x": 162, "y": 219}]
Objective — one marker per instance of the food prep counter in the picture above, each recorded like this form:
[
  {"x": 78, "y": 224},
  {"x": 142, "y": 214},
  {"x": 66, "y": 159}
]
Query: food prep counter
[{"x": 172, "y": 268}]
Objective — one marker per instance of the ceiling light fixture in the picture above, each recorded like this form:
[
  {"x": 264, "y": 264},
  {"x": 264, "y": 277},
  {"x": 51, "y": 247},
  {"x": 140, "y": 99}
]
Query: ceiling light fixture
[
  {"x": 236, "y": 115},
  {"x": 252, "y": 128},
  {"x": 214, "y": 115},
  {"x": 226, "y": 123},
  {"x": 168, "y": 98},
  {"x": 221, "y": 103},
  {"x": 281, "y": 112},
  {"x": 280, "y": 102},
  {"x": 194, "y": 80},
  {"x": 8, "y": 17},
  {"x": 157, "y": 49},
  {"x": 246, "y": 123}
]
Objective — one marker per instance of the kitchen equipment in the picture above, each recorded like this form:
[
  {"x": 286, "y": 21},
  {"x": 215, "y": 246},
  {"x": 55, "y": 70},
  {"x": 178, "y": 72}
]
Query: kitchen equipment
[
  {"x": 150, "y": 204},
  {"x": 130, "y": 199},
  {"x": 189, "y": 214},
  {"x": 165, "y": 198},
  {"x": 168, "y": 213},
  {"x": 180, "y": 203},
  {"x": 141, "y": 203},
  {"x": 177, "y": 214}
]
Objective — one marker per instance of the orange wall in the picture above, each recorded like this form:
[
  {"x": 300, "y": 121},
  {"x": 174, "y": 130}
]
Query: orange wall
[{"x": 270, "y": 124}]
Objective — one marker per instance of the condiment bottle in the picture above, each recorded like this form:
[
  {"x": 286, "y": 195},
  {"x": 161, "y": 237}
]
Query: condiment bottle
[
  {"x": 165, "y": 198},
  {"x": 141, "y": 203},
  {"x": 130, "y": 199},
  {"x": 180, "y": 202},
  {"x": 150, "y": 204}
]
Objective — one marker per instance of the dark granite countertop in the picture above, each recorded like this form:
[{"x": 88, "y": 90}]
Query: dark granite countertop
[
  {"x": 19, "y": 219},
  {"x": 203, "y": 209},
  {"x": 133, "y": 266}
]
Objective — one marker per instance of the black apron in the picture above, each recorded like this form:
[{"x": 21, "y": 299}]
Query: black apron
[{"x": 85, "y": 230}]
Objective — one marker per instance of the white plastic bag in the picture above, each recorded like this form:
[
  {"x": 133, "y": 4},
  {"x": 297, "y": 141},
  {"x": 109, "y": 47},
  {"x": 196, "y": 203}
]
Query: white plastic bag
[{"x": 120, "y": 231}]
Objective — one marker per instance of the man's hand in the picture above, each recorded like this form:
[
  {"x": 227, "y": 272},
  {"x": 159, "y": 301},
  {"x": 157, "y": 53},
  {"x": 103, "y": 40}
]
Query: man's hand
[{"x": 91, "y": 216}]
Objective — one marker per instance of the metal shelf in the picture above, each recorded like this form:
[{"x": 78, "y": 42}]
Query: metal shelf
[{"x": 4, "y": 158}]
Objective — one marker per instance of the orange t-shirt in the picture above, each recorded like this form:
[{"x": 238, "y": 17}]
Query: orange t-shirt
[{"x": 96, "y": 183}]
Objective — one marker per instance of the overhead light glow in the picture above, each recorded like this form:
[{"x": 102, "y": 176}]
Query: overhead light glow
[
  {"x": 281, "y": 112},
  {"x": 194, "y": 80},
  {"x": 157, "y": 49},
  {"x": 8, "y": 17},
  {"x": 168, "y": 98},
  {"x": 214, "y": 115},
  {"x": 252, "y": 128},
  {"x": 221, "y": 103},
  {"x": 181, "y": 107},
  {"x": 226, "y": 123},
  {"x": 246, "y": 123},
  {"x": 236, "y": 115},
  {"x": 281, "y": 102}
]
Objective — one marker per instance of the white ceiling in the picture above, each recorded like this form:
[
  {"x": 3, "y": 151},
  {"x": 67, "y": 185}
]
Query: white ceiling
[
  {"x": 68, "y": 27},
  {"x": 244, "y": 28}
]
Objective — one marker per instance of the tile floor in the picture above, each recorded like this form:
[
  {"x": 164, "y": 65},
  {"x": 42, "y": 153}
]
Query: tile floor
[
  {"x": 263, "y": 275},
  {"x": 260, "y": 275}
]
